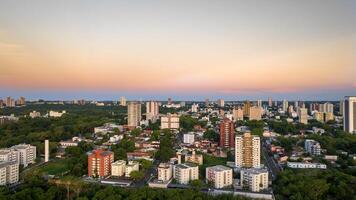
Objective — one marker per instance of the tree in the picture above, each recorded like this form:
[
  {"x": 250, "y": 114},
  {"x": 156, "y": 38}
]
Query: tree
[
  {"x": 197, "y": 184},
  {"x": 211, "y": 135},
  {"x": 146, "y": 164},
  {"x": 137, "y": 175},
  {"x": 136, "y": 132},
  {"x": 165, "y": 151},
  {"x": 155, "y": 135}
]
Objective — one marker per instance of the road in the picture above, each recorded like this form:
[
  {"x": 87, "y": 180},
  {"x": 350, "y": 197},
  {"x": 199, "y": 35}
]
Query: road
[{"x": 272, "y": 165}]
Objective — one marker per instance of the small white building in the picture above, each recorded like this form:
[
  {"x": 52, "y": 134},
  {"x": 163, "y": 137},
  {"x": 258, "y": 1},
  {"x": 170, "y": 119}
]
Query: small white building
[
  {"x": 35, "y": 114},
  {"x": 55, "y": 113},
  {"x": 188, "y": 138},
  {"x": 118, "y": 168},
  {"x": 301, "y": 165},
  {"x": 130, "y": 167}
]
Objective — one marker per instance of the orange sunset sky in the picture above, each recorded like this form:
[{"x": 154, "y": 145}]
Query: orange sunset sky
[{"x": 183, "y": 49}]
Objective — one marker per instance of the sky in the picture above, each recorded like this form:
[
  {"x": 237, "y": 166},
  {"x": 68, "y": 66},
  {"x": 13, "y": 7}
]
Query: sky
[{"x": 188, "y": 50}]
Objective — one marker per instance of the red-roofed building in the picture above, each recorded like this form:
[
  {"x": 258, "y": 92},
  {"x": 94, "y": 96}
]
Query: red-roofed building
[{"x": 99, "y": 163}]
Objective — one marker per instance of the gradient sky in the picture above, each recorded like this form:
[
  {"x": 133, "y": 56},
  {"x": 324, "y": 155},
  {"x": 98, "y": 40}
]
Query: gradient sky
[{"x": 181, "y": 49}]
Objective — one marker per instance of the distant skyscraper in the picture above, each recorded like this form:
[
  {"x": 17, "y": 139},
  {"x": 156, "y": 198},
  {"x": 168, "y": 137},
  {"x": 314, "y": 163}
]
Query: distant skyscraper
[
  {"x": 152, "y": 110},
  {"x": 326, "y": 107},
  {"x": 195, "y": 107},
  {"x": 255, "y": 113},
  {"x": 21, "y": 101},
  {"x": 227, "y": 133},
  {"x": 247, "y": 151},
  {"x": 341, "y": 107},
  {"x": 270, "y": 102},
  {"x": 303, "y": 115},
  {"x": 275, "y": 103},
  {"x": 259, "y": 103},
  {"x": 169, "y": 101},
  {"x": 206, "y": 102},
  {"x": 122, "y": 101},
  {"x": 350, "y": 114},
  {"x": 247, "y": 106},
  {"x": 296, "y": 105},
  {"x": 285, "y": 105},
  {"x": 238, "y": 114},
  {"x": 10, "y": 102},
  {"x": 221, "y": 102},
  {"x": 133, "y": 114}
]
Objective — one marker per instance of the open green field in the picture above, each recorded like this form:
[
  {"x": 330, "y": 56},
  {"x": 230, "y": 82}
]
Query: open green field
[{"x": 56, "y": 167}]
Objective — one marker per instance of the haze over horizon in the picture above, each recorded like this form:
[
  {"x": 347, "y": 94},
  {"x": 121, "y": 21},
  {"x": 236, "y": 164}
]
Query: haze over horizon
[{"x": 187, "y": 50}]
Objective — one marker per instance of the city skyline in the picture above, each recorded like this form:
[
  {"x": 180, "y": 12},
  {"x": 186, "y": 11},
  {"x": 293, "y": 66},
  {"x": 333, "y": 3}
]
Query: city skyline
[{"x": 233, "y": 50}]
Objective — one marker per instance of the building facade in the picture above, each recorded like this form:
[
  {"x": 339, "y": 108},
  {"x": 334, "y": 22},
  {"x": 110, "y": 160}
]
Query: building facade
[
  {"x": 254, "y": 179},
  {"x": 170, "y": 121},
  {"x": 247, "y": 151},
  {"x": 165, "y": 172},
  {"x": 9, "y": 172},
  {"x": 133, "y": 114},
  {"x": 349, "y": 113},
  {"x": 186, "y": 172},
  {"x": 118, "y": 168},
  {"x": 220, "y": 176},
  {"x": 227, "y": 133},
  {"x": 152, "y": 110},
  {"x": 99, "y": 163}
]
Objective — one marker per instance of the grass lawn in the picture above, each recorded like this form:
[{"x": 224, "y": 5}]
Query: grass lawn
[{"x": 56, "y": 167}]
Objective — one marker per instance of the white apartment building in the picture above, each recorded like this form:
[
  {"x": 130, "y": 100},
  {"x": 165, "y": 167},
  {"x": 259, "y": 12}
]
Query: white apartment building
[
  {"x": 238, "y": 114},
  {"x": 195, "y": 108},
  {"x": 133, "y": 114},
  {"x": 255, "y": 113},
  {"x": 247, "y": 151},
  {"x": 188, "y": 138},
  {"x": 122, "y": 101},
  {"x": 301, "y": 165},
  {"x": 170, "y": 121},
  {"x": 349, "y": 113},
  {"x": 221, "y": 102},
  {"x": 35, "y": 114},
  {"x": 165, "y": 172},
  {"x": 27, "y": 153},
  {"x": 186, "y": 172},
  {"x": 130, "y": 167},
  {"x": 255, "y": 179},
  {"x": 9, "y": 172},
  {"x": 55, "y": 113},
  {"x": 118, "y": 168},
  {"x": 303, "y": 115},
  {"x": 219, "y": 175},
  {"x": 312, "y": 147},
  {"x": 326, "y": 108},
  {"x": 285, "y": 105},
  {"x": 152, "y": 110},
  {"x": 9, "y": 155}
]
